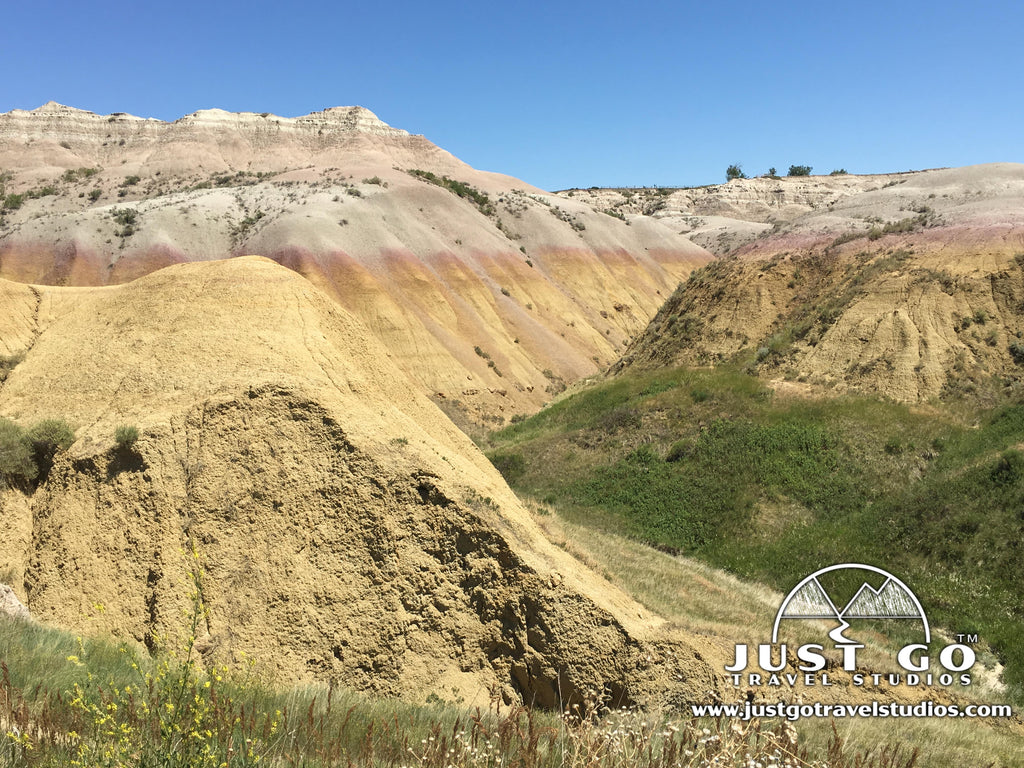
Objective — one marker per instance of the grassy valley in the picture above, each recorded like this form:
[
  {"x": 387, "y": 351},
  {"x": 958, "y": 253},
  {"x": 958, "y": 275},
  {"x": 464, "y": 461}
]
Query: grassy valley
[{"x": 771, "y": 485}]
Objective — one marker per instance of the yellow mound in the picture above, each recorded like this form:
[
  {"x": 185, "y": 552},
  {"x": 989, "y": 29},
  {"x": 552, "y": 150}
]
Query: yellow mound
[{"x": 347, "y": 530}]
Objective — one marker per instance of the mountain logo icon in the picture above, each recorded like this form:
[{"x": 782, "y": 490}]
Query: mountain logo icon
[{"x": 811, "y": 599}]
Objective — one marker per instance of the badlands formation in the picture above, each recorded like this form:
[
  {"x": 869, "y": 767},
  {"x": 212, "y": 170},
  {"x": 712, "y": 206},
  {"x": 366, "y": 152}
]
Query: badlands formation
[
  {"x": 491, "y": 294},
  {"x": 347, "y": 531},
  {"x": 274, "y": 303},
  {"x": 911, "y": 286}
]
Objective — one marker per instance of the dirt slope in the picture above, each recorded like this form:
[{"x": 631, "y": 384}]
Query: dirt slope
[
  {"x": 911, "y": 290},
  {"x": 346, "y": 529},
  {"x": 490, "y": 293}
]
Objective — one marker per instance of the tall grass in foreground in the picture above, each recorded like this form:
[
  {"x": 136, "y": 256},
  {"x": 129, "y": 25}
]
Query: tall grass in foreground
[{"x": 68, "y": 701}]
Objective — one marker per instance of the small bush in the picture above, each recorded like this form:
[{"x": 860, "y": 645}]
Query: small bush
[
  {"x": 13, "y": 202},
  {"x": 16, "y": 463},
  {"x": 680, "y": 450},
  {"x": 893, "y": 446},
  {"x": 1009, "y": 469},
  {"x": 125, "y": 436},
  {"x": 734, "y": 171},
  {"x": 800, "y": 170},
  {"x": 47, "y": 437}
]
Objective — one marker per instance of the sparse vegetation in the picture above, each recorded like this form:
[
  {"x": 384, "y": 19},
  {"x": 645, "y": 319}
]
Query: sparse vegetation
[
  {"x": 26, "y": 455},
  {"x": 13, "y": 202},
  {"x": 125, "y": 437},
  {"x": 799, "y": 170},
  {"x": 16, "y": 465},
  {"x": 734, "y": 172},
  {"x": 127, "y": 218},
  {"x": 244, "y": 227},
  {"x": 71, "y": 175},
  {"x": 47, "y": 190},
  {"x": 460, "y": 188}
]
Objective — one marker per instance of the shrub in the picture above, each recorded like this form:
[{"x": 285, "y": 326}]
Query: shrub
[
  {"x": 47, "y": 437},
  {"x": 838, "y": 172},
  {"x": 15, "y": 454},
  {"x": 126, "y": 436},
  {"x": 1009, "y": 469},
  {"x": 512, "y": 466},
  {"x": 734, "y": 171},
  {"x": 13, "y": 202},
  {"x": 681, "y": 449},
  {"x": 799, "y": 170},
  {"x": 95, "y": 194}
]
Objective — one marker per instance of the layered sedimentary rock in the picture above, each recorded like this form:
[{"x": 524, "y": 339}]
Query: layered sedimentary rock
[{"x": 490, "y": 293}]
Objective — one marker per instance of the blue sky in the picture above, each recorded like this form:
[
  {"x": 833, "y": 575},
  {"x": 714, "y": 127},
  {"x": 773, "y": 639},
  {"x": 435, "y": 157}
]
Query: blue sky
[{"x": 562, "y": 93}]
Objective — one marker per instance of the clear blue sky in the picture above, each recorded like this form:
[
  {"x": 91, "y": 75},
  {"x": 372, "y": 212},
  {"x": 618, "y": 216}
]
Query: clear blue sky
[{"x": 562, "y": 93}]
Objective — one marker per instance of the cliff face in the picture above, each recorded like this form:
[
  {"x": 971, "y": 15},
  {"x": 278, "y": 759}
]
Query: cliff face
[
  {"x": 488, "y": 292},
  {"x": 344, "y": 529}
]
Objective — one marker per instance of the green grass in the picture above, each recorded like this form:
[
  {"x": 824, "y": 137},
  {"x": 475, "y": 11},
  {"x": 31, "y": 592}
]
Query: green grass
[{"x": 710, "y": 463}]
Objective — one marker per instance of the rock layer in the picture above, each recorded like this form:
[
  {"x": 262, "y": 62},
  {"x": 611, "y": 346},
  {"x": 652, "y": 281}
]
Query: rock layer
[{"x": 488, "y": 292}]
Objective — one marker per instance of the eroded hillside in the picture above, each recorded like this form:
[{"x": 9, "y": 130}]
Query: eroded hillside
[
  {"x": 910, "y": 290},
  {"x": 347, "y": 531},
  {"x": 491, "y": 294}
]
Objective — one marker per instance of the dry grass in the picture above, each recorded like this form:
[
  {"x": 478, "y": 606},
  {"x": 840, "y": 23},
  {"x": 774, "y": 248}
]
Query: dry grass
[{"x": 705, "y": 600}]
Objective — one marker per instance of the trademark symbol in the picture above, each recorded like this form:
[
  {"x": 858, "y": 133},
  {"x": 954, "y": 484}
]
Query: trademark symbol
[{"x": 966, "y": 638}]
